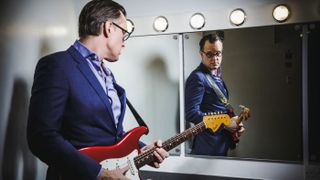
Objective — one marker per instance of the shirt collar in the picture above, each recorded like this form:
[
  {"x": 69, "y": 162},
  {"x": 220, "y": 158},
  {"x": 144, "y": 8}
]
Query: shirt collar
[
  {"x": 88, "y": 54},
  {"x": 207, "y": 70},
  {"x": 84, "y": 51}
]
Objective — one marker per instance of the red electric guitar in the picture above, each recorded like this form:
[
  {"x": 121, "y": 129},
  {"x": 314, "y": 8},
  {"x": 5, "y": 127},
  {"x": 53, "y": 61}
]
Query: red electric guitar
[{"x": 127, "y": 152}]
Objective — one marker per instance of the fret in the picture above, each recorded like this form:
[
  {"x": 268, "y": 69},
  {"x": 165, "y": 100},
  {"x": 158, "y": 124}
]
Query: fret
[{"x": 169, "y": 144}]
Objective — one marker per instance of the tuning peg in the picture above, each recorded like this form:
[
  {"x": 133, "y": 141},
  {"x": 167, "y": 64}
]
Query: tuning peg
[
  {"x": 242, "y": 106},
  {"x": 205, "y": 114}
]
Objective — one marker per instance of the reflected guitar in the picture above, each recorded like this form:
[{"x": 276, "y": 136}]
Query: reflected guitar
[{"x": 127, "y": 152}]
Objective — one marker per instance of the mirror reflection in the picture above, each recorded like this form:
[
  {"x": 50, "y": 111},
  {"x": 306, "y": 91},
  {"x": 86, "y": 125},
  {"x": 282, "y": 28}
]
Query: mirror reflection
[{"x": 261, "y": 68}]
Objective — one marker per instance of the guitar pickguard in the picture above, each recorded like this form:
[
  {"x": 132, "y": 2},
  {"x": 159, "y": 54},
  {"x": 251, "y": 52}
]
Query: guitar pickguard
[{"x": 111, "y": 164}]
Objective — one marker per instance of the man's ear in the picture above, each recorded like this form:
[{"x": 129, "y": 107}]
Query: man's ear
[{"x": 106, "y": 28}]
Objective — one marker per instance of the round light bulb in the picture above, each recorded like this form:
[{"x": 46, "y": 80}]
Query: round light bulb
[
  {"x": 160, "y": 24},
  {"x": 237, "y": 17},
  {"x": 197, "y": 21},
  {"x": 130, "y": 26},
  {"x": 281, "y": 13}
]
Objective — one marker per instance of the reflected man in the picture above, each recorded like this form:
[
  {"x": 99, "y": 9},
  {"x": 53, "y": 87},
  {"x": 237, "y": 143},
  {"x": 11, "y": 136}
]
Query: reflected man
[{"x": 201, "y": 98}]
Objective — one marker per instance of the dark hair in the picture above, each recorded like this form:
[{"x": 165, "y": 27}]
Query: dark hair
[
  {"x": 95, "y": 13},
  {"x": 209, "y": 37}
]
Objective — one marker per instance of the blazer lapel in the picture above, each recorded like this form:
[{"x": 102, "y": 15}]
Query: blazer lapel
[{"x": 88, "y": 74}]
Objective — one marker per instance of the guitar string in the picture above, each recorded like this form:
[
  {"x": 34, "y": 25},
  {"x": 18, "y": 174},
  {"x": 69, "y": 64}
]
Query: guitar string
[{"x": 170, "y": 142}]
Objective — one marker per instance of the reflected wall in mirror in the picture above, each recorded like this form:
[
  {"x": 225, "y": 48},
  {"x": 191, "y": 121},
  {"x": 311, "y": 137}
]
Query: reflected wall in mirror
[
  {"x": 148, "y": 69},
  {"x": 262, "y": 69}
]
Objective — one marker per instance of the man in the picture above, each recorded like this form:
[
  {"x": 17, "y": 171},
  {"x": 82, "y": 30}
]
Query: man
[
  {"x": 76, "y": 102},
  {"x": 201, "y": 98}
]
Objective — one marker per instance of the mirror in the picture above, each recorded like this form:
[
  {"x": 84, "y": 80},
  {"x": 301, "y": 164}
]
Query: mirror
[{"x": 261, "y": 67}]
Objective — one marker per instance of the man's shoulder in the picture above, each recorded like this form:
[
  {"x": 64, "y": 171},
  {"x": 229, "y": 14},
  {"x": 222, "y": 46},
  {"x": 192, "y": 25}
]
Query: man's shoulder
[
  {"x": 197, "y": 73},
  {"x": 195, "y": 77},
  {"x": 57, "y": 57}
]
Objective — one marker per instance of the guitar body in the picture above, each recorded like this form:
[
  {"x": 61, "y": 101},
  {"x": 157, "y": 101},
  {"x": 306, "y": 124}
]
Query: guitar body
[
  {"x": 113, "y": 163},
  {"x": 120, "y": 154}
]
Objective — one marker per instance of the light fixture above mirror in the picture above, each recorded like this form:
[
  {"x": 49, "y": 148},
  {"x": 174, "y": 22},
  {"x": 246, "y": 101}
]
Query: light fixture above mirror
[
  {"x": 197, "y": 21},
  {"x": 237, "y": 17},
  {"x": 281, "y": 13},
  {"x": 130, "y": 26},
  {"x": 160, "y": 24}
]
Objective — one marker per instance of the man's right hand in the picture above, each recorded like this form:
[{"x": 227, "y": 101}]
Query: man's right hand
[
  {"x": 118, "y": 173},
  {"x": 233, "y": 126}
]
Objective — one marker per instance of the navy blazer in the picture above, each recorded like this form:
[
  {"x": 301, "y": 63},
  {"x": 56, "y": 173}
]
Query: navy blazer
[
  {"x": 69, "y": 110},
  {"x": 200, "y": 98}
]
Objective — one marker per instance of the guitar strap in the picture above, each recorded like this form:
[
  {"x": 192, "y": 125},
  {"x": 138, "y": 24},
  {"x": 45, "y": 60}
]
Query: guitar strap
[
  {"x": 217, "y": 90},
  {"x": 136, "y": 115},
  {"x": 132, "y": 109}
]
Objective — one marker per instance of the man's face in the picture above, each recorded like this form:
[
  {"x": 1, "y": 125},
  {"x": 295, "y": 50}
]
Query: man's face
[
  {"x": 212, "y": 55},
  {"x": 115, "y": 39}
]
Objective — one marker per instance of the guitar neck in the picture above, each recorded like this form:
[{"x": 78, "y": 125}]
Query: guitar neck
[{"x": 147, "y": 156}]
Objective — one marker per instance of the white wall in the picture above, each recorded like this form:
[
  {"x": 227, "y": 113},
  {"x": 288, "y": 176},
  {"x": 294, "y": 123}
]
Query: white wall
[{"x": 29, "y": 30}]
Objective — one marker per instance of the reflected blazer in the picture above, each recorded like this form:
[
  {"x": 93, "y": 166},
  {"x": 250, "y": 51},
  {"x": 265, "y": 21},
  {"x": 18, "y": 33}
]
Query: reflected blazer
[{"x": 70, "y": 110}]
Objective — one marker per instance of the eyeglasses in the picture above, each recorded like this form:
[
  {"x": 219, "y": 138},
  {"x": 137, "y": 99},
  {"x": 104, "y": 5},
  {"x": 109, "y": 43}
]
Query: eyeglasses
[
  {"x": 126, "y": 34},
  {"x": 211, "y": 54}
]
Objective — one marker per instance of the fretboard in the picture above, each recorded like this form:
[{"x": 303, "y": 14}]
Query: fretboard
[{"x": 147, "y": 156}]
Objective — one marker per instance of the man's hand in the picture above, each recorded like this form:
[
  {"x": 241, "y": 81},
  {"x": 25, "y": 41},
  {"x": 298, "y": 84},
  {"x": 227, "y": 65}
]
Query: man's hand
[
  {"x": 241, "y": 129},
  {"x": 159, "y": 153},
  {"x": 118, "y": 173},
  {"x": 232, "y": 127}
]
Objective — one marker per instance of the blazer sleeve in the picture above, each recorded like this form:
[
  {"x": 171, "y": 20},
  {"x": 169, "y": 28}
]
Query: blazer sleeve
[
  {"x": 44, "y": 134},
  {"x": 194, "y": 92}
]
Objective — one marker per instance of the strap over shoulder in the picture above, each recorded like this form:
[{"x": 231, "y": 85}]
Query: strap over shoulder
[{"x": 217, "y": 90}]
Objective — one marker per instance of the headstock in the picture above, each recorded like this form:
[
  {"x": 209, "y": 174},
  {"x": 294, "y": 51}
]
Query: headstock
[
  {"x": 214, "y": 121},
  {"x": 244, "y": 114}
]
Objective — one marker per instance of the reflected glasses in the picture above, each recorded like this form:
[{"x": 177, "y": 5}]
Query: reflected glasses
[
  {"x": 126, "y": 34},
  {"x": 211, "y": 54}
]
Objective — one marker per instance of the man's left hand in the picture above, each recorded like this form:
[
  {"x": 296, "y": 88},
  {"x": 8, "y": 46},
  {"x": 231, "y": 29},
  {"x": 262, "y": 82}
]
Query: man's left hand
[{"x": 159, "y": 153}]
